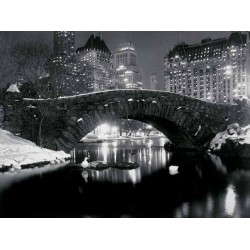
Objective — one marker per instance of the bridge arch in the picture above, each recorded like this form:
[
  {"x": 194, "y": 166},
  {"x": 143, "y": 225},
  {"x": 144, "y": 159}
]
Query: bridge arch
[{"x": 188, "y": 122}]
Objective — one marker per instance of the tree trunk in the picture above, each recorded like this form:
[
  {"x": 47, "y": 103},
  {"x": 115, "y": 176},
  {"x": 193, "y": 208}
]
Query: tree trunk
[
  {"x": 40, "y": 132},
  {"x": 120, "y": 127}
]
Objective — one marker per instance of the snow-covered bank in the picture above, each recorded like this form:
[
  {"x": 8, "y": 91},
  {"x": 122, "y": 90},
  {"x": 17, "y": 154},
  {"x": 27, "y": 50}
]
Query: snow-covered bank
[
  {"x": 15, "y": 152},
  {"x": 233, "y": 142}
]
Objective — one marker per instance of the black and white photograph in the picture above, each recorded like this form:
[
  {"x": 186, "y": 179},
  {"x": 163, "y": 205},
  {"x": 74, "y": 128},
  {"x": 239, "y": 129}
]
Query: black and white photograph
[
  {"x": 98, "y": 124},
  {"x": 124, "y": 123}
]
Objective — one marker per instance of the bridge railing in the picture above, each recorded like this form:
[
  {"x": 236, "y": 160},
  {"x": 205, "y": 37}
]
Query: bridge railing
[{"x": 127, "y": 91}]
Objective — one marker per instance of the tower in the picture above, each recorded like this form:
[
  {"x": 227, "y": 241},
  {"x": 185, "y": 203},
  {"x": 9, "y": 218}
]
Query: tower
[
  {"x": 64, "y": 50},
  {"x": 125, "y": 65},
  {"x": 64, "y": 43},
  {"x": 64, "y": 78},
  {"x": 94, "y": 60}
]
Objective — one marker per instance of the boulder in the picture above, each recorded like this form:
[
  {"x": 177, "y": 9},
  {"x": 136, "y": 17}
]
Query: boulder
[
  {"x": 231, "y": 131},
  {"x": 234, "y": 148},
  {"x": 233, "y": 126}
]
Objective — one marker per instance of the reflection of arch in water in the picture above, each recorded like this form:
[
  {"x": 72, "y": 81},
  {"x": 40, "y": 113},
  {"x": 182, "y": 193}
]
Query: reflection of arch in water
[
  {"x": 216, "y": 160},
  {"x": 159, "y": 160}
]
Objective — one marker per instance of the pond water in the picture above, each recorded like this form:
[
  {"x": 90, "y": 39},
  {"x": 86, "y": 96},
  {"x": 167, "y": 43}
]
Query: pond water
[{"x": 201, "y": 186}]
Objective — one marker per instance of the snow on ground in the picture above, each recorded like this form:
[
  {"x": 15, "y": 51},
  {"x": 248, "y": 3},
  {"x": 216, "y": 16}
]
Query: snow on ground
[
  {"x": 234, "y": 132},
  {"x": 16, "y": 151}
]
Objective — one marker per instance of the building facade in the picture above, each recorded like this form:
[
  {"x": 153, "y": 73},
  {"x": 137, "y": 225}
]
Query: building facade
[
  {"x": 213, "y": 70},
  {"x": 94, "y": 63},
  {"x": 65, "y": 78},
  {"x": 63, "y": 57},
  {"x": 127, "y": 74}
]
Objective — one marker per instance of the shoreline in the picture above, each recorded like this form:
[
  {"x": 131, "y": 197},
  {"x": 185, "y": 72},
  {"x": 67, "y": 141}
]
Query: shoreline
[{"x": 122, "y": 138}]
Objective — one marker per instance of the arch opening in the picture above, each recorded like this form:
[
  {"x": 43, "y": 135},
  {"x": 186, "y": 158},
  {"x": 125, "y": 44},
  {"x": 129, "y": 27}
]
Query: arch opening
[
  {"x": 77, "y": 128},
  {"x": 121, "y": 129}
]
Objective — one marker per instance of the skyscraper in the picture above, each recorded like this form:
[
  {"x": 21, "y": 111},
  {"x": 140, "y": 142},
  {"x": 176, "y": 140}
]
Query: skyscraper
[
  {"x": 213, "y": 70},
  {"x": 125, "y": 65},
  {"x": 64, "y": 43},
  {"x": 94, "y": 60},
  {"x": 65, "y": 79},
  {"x": 63, "y": 57}
]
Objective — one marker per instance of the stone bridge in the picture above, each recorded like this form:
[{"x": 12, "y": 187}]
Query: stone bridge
[{"x": 188, "y": 122}]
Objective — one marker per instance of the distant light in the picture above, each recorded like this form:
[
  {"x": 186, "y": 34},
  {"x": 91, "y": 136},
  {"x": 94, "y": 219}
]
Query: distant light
[
  {"x": 104, "y": 128},
  {"x": 114, "y": 130},
  {"x": 125, "y": 48},
  {"x": 230, "y": 200}
]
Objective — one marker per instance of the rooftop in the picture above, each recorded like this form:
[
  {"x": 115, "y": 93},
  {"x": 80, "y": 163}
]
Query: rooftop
[
  {"x": 125, "y": 46},
  {"x": 95, "y": 42},
  {"x": 207, "y": 47}
]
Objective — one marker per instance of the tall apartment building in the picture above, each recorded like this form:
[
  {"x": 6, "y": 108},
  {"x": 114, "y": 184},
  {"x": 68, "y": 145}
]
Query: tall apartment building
[
  {"x": 94, "y": 60},
  {"x": 64, "y": 78},
  {"x": 213, "y": 70},
  {"x": 127, "y": 73},
  {"x": 63, "y": 57}
]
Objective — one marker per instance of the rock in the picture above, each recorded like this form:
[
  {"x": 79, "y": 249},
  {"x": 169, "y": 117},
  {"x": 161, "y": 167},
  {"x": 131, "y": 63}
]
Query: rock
[
  {"x": 127, "y": 165},
  {"x": 231, "y": 131},
  {"x": 229, "y": 148},
  {"x": 4, "y": 169},
  {"x": 233, "y": 126},
  {"x": 99, "y": 165},
  {"x": 233, "y": 147},
  {"x": 240, "y": 131}
]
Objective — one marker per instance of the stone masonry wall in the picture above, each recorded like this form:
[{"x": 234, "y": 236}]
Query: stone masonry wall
[{"x": 188, "y": 122}]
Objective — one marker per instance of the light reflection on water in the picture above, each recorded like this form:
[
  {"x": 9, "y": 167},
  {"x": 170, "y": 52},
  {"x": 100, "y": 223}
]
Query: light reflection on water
[
  {"x": 230, "y": 200},
  {"x": 210, "y": 188},
  {"x": 205, "y": 186},
  {"x": 151, "y": 153}
]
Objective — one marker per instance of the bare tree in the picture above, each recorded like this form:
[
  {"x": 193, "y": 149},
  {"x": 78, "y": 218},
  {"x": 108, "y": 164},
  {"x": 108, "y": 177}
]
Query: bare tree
[
  {"x": 130, "y": 125},
  {"x": 44, "y": 111},
  {"x": 31, "y": 59},
  {"x": 7, "y": 69}
]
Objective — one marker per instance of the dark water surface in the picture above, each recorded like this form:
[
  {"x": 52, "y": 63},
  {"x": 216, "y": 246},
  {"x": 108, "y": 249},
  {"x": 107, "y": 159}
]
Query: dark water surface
[{"x": 204, "y": 186}]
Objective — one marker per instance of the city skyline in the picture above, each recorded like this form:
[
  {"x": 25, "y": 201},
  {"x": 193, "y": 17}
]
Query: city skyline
[{"x": 151, "y": 46}]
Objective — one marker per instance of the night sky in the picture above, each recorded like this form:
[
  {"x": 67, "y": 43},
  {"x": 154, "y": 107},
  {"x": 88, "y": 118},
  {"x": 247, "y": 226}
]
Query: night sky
[{"x": 151, "y": 47}]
